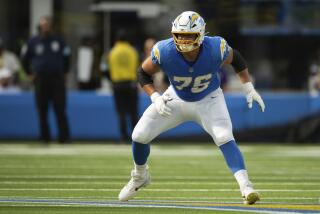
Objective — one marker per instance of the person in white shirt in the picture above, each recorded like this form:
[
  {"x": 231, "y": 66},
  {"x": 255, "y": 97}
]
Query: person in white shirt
[{"x": 9, "y": 67}]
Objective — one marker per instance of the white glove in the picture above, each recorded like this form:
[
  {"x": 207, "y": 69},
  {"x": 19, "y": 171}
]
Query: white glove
[
  {"x": 160, "y": 103},
  {"x": 252, "y": 94}
]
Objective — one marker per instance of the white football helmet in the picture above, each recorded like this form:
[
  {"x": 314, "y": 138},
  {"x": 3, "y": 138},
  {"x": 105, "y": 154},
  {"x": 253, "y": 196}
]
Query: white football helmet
[{"x": 188, "y": 22}]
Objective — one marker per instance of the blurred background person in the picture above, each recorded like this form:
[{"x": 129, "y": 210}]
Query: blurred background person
[
  {"x": 88, "y": 74},
  {"x": 5, "y": 81},
  {"x": 160, "y": 80},
  {"x": 9, "y": 68},
  {"x": 46, "y": 61},
  {"x": 314, "y": 76},
  {"x": 263, "y": 74},
  {"x": 122, "y": 64}
]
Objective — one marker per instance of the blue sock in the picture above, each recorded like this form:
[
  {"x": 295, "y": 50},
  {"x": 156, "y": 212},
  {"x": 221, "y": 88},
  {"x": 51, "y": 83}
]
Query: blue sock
[
  {"x": 233, "y": 156},
  {"x": 140, "y": 152}
]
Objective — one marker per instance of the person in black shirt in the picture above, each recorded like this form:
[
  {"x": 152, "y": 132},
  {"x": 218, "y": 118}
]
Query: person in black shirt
[{"x": 46, "y": 60}]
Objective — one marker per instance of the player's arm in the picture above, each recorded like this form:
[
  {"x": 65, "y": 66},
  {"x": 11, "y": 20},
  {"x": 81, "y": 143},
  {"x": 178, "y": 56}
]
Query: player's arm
[
  {"x": 26, "y": 57},
  {"x": 145, "y": 73},
  {"x": 240, "y": 65}
]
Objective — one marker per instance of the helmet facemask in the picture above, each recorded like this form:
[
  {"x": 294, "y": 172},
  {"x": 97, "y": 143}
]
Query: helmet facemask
[{"x": 186, "y": 45}]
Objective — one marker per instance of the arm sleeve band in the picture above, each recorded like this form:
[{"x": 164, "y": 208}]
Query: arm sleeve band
[
  {"x": 238, "y": 62},
  {"x": 144, "y": 78}
]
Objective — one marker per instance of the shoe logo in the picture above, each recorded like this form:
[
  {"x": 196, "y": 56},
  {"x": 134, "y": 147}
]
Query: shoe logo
[{"x": 137, "y": 188}]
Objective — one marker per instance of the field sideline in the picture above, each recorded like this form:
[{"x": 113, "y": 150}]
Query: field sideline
[{"x": 86, "y": 178}]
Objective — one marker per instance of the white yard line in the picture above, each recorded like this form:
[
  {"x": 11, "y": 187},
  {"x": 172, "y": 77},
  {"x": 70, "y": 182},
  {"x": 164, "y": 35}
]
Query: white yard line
[
  {"x": 169, "y": 198},
  {"x": 272, "y": 171},
  {"x": 159, "y": 183},
  {"x": 169, "y": 177},
  {"x": 37, "y": 167},
  {"x": 155, "y": 190}
]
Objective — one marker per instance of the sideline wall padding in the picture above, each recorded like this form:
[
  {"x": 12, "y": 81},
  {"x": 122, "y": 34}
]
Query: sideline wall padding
[{"x": 93, "y": 116}]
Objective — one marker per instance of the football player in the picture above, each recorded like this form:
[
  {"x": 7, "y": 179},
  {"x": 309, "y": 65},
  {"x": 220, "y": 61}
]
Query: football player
[{"x": 191, "y": 61}]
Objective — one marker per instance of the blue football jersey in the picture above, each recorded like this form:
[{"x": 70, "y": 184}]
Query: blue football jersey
[{"x": 192, "y": 81}]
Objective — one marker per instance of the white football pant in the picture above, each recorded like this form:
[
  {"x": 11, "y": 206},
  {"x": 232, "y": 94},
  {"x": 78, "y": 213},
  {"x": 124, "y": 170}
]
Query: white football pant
[{"x": 210, "y": 113}]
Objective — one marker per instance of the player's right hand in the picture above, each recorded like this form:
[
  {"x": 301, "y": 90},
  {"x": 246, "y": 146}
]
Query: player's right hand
[{"x": 160, "y": 103}]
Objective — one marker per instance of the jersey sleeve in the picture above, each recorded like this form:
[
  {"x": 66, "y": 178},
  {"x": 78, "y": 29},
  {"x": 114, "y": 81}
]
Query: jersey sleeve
[
  {"x": 224, "y": 49},
  {"x": 155, "y": 54}
]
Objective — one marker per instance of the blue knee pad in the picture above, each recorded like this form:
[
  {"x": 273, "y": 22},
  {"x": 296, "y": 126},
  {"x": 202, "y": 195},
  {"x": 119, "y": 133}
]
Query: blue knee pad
[
  {"x": 140, "y": 152},
  {"x": 233, "y": 156}
]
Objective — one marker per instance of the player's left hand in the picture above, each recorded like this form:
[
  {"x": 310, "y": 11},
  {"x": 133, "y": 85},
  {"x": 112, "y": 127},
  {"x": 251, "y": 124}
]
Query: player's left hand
[{"x": 253, "y": 95}]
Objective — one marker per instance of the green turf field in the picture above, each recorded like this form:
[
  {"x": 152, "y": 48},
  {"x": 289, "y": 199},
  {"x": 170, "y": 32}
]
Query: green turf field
[{"x": 84, "y": 178}]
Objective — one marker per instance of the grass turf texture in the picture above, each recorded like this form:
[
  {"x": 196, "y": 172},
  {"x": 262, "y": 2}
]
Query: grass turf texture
[{"x": 86, "y": 178}]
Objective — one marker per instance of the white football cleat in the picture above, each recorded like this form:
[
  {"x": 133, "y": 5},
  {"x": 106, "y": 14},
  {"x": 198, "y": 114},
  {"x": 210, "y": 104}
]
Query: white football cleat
[
  {"x": 137, "y": 181},
  {"x": 250, "y": 196}
]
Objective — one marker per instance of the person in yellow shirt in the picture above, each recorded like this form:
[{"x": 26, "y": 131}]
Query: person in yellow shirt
[{"x": 123, "y": 62}]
